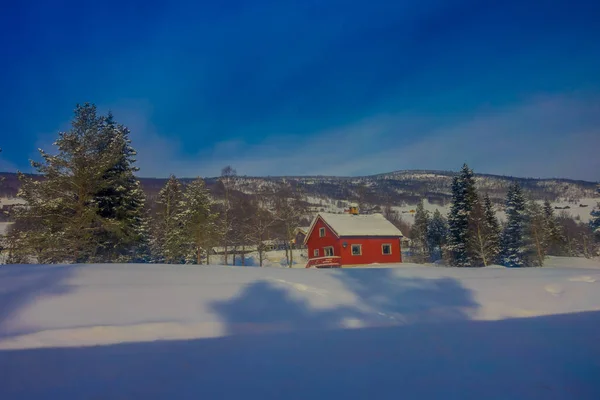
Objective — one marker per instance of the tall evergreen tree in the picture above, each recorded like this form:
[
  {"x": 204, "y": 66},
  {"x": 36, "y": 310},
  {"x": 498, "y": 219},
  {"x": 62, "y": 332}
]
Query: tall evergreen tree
[
  {"x": 437, "y": 231},
  {"x": 167, "y": 237},
  {"x": 595, "y": 221},
  {"x": 69, "y": 216},
  {"x": 88, "y": 207},
  {"x": 537, "y": 232},
  {"x": 198, "y": 221},
  {"x": 464, "y": 198},
  {"x": 121, "y": 201},
  {"x": 515, "y": 251},
  {"x": 553, "y": 237},
  {"x": 484, "y": 238},
  {"x": 419, "y": 233}
]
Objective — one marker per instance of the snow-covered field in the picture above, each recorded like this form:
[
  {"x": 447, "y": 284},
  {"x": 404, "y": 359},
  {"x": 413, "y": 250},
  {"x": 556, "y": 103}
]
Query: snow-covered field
[
  {"x": 274, "y": 258},
  {"x": 189, "y": 332},
  {"x": 4, "y": 227}
]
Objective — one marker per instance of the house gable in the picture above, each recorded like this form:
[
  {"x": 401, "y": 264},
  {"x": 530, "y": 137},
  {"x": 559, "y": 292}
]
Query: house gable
[{"x": 321, "y": 223}]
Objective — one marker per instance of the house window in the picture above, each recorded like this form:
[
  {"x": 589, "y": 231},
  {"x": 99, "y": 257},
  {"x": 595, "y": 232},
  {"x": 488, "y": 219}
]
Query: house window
[
  {"x": 357, "y": 249},
  {"x": 321, "y": 232},
  {"x": 386, "y": 249},
  {"x": 316, "y": 253},
  {"x": 328, "y": 251}
]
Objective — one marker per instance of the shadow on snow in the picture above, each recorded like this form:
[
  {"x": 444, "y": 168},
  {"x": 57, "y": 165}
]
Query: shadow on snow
[
  {"x": 553, "y": 357},
  {"x": 22, "y": 284},
  {"x": 380, "y": 299}
]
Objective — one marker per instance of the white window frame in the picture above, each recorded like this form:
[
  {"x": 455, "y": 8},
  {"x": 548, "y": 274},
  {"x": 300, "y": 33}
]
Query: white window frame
[
  {"x": 316, "y": 253},
  {"x": 359, "y": 249},
  {"x": 325, "y": 251},
  {"x": 383, "y": 246},
  {"x": 322, "y": 232}
]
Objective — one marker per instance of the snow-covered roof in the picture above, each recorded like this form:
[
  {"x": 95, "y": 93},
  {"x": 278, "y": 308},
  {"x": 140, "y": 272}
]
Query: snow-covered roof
[
  {"x": 303, "y": 229},
  {"x": 359, "y": 225}
]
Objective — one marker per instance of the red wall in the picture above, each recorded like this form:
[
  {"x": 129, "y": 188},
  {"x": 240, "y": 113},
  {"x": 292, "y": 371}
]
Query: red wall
[
  {"x": 371, "y": 251},
  {"x": 371, "y": 247},
  {"x": 316, "y": 242}
]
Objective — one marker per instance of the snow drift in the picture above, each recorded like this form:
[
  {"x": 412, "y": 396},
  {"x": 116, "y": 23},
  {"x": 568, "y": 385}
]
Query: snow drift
[{"x": 156, "y": 331}]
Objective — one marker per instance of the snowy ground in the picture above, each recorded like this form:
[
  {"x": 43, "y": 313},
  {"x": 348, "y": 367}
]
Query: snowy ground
[
  {"x": 179, "y": 332},
  {"x": 4, "y": 227},
  {"x": 275, "y": 258}
]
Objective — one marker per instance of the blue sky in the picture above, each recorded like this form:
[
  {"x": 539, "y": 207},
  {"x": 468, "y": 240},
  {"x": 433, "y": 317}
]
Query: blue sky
[{"x": 312, "y": 87}]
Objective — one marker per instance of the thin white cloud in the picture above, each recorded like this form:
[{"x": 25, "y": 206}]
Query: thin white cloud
[{"x": 554, "y": 136}]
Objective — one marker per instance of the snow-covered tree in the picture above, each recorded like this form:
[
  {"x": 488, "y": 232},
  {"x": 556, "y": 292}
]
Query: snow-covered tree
[
  {"x": 537, "y": 231},
  {"x": 419, "y": 234},
  {"x": 595, "y": 221},
  {"x": 437, "y": 231},
  {"x": 198, "y": 221},
  {"x": 122, "y": 200},
  {"x": 167, "y": 236},
  {"x": 88, "y": 206},
  {"x": 484, "y": 235},
  {"x": 553, "y": 236},
  {"x": 516, "y": 250},
  {"x": 464, "y": 198},
  {"x": 493, "y": 227}
]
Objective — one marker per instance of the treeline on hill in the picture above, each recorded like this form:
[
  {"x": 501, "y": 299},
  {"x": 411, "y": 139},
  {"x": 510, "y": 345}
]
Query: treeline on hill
[
  {"x": 85, "y": 205},
  {"x": 472, "y": 236}
]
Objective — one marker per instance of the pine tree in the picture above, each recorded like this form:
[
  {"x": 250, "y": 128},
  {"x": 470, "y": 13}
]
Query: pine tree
[
  {"x": 437, "y": 232},
  {"x": 198, "y": 221},
  {"x": 62, "y": 214},
  {"x": 493, "y": 227},
  {"x": 419, "y": 233},
  {"x": 167, "y": 234},
  {"x": 537, "y": 231},
  {"x": 88, "y": 207},
  {"x": 516, "y": 251},
  {"x": 464, "y": 198},
  {"x": 553, "y": 237},
  {"x": 122, "y": 200},
  {"x": 595, "y": 221}
]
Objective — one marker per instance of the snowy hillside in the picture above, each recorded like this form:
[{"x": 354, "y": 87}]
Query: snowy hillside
[{"x": 155, "y": 331}]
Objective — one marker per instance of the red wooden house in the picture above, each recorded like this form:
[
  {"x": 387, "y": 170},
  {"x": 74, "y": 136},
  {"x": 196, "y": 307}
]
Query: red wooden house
[{"x": 340, "y": 240}]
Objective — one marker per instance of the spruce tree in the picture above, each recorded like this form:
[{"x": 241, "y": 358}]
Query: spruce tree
[
  {"x": 515, "y": 251},
  {"x": 419, "y": 233},
  {"x": 437, "y": 232},
  {"x": 167, "y": 234},
  {"x": 537, "y": 232},
  {"x": 122, "y": 200},
  {"x": 88, "y": 206},
  {"x": 62, "y": 213},
  {"x": 493, "y": 227},
  {"x": 553, "y": 236},
  {"x": 198, "y": 221},
  {"x": 464, "y": 198},
  {"x": 595, "y": 221}
]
